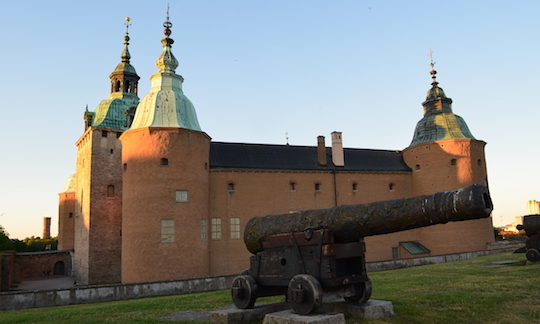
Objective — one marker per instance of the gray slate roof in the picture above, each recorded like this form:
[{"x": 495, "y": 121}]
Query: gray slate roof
[{"x": 289, "y": 157}]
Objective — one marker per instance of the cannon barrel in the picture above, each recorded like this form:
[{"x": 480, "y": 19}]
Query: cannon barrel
[
  {"x": 531, "y": 224},
  {"x": 350, "y": 223}
]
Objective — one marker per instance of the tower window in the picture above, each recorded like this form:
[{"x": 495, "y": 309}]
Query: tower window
[
  {"x": 125, "y": 166},
  {"x": 118, "y": 134},
  {"x": 230, "y": 187},
  {"x": 391, "y": 187},
  {"x": 479, "y": 162},
  {"x": 292, "y": 187},
  {"x": 453, "y": 162},
  {"x": 354, "y": 187},
  {"x": 204, "y": 230},
  {"x": 216, "y": 229},
  {"x": 164, "y": 161},
  {"x": 235, "y": 228},
  {"x": 181, "y": 196},
  {"x": 167, "y": 231},
  {"x": 110, "y": 191},
  {"x": 112, "y": 151},
  {"x": 117, "y": 86},
  {"x": 70, "y": 215},
  {"x": 317, "y": 187},
  {"x": 127, "y": 87},
  {"x": 104, "y": 133},
  {"x": 417, "y": 167}
]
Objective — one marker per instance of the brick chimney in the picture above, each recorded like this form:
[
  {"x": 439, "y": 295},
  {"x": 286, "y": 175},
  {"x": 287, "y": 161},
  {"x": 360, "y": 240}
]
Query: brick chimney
[
  {"x": 321, "y": 150},
  {"x": 46, "y": 227},
  {"x": 337, "y": 149}
]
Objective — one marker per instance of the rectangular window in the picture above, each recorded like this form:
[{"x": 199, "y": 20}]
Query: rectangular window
[
  {"x": 395, "y": 252},
  {"x": 110, "y": 191},
  {"x": 292, "y": 187},
  {"x": 235, "y": 228},
  {"x": 216, "y": 228},
  {"x": 104, "y": 133},
  {"x": 317, "y": 187},
  {"x": 181, "y": 196},
  {"x": 167, "y": 231},
  {"x": 204, "y": 230}
]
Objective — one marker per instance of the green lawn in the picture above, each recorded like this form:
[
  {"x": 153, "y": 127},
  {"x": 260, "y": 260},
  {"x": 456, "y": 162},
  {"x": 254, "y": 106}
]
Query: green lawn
[{"x": 473, "y": 291}]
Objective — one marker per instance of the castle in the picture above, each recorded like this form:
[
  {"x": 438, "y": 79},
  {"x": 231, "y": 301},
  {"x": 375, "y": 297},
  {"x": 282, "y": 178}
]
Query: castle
[{"x": 153, "y": 198}]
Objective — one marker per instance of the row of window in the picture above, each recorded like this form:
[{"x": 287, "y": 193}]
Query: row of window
[
  {"x": 452, "y": 162},
  {"x": 168, "y": 230},
  {"x": 317, "y": 187}
]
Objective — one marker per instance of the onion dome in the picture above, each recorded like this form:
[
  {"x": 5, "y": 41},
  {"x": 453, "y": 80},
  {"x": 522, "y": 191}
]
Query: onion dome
[
  {"x": 439, "y": 122},
  {"x": 117, "y": 110},
  {"x": 166, "y": 105}
]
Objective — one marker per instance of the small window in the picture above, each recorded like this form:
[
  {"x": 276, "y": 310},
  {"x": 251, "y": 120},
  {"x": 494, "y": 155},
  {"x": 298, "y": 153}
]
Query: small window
[
  {"x": 479, "y": 162},
  {"x": 204, "y": 230},
  {"x": 125, "y": 166},
  {"x": 453, "y": 162},
  {"x": 391, "y": 187},
  {"x": 354, "y": 187},
  {"x": 111, "y": 151},
  {"x": 395, "y": 253},
  {"x": 414, "y": 247},
  {"x": 70, "y": 215},
  {"x": 164, "y": 162},
  {"x": 317, "y": 187},
  {"x": 292, "y": 187},
  {"x": 118, "y": 134},
  {"x": 104, "y": 133},
  {"x": 417, "y": 167},
  {"x": 110, "y": 191},
  {"x": 235, "y": 228},
  {"x": 167, "y": 231},
  {"x": 216, "y": 228},
  {"x": 230, "y": 187},
  {"x": 181, "y": 196}
]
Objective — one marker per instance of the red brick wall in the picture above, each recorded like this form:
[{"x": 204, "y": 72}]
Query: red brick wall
[
  {"x": 66, "y": 220},
  {"x": 40, "y": 265}
]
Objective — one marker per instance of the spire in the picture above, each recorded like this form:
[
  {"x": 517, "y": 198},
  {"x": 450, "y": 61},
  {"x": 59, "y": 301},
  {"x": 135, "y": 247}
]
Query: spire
[
  {"x": 166, "y": 62},
  {"x": 165, "y": 105},
  {"x": 125, "y": 53},
  {"x": 439, "y": 122}
]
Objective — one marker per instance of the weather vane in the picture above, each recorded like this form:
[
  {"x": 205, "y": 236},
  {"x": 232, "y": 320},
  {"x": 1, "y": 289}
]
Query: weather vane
[
  {"x": 433, "y": 72},
  {"x": 287, "y": 137},
  {"x": 127, "y": 23},
  {"x": 167, "y": 24}
]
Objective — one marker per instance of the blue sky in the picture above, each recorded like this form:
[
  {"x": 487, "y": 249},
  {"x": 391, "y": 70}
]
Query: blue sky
[{"x": 257, "y": 69}]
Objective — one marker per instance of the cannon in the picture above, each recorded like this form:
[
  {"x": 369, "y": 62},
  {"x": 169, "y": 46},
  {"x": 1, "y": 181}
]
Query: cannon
[
  {"x": 314, "y": 254},
  {"x": 531, "y": 225}
]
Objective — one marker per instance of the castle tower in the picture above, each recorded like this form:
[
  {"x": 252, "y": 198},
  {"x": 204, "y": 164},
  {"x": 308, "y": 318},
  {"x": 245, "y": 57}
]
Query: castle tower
[
  {"x": 98, "y": 215},
  {"x": 46, "y": 228},
  {"x": 166, "y": 182},
  {"x": 66, "y": 211},
  {"x": 443, "y": 156}
]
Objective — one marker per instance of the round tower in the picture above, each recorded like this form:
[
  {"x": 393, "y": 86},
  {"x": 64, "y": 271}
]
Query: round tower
[
  {"x": 165, "y": 182},
  {"x": 444, "y": 156}
]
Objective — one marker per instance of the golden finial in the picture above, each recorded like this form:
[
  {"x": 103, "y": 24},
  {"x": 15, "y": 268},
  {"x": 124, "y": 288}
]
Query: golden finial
[
  {"x": 433, "y": 72},
  {"x": 127, "y": 23},
  {"x": 167, "y": 24}
]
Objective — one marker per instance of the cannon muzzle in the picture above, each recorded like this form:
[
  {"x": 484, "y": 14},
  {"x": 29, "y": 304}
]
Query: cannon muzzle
[{"x": 352, "y": 222}]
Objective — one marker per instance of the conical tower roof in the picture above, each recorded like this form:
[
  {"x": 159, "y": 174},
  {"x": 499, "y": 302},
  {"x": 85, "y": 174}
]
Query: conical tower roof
[
  {"x": 439, "y": 122},
  {"x": 166, "y": 105}
]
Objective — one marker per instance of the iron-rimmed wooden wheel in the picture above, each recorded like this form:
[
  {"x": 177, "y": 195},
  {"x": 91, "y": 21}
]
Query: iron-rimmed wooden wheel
[
  {"x": 244, "y": 291},
  {"x": 532, "y": 255},
  {"x": 362, "y": 293},
  {"x": 304, "y": 294}
]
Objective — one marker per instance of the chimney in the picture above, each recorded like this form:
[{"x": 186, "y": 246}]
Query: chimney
[
  {"x": 337, "y": 149},
  {"x": 46, "y": 227},
  {"x": 321, "y": 150}
]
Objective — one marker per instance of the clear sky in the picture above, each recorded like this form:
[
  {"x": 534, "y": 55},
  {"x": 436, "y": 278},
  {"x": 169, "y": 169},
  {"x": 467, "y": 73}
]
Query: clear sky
[{"x": 258, "y": 69}]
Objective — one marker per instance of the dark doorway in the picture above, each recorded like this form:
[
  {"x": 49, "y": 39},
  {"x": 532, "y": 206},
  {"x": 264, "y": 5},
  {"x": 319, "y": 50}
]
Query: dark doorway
[{"x": 59, "y": 269}]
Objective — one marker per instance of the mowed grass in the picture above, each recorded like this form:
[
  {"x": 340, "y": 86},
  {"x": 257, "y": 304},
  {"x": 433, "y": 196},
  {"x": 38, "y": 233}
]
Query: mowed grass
[{"x": 473, "y": 291}]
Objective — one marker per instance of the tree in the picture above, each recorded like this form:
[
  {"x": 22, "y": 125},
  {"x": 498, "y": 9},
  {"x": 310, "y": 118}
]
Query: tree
[{"x": 5, "y": 241}]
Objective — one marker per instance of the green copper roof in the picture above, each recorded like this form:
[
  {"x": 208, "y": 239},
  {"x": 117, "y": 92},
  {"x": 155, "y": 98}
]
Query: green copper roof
[
  {"x": 439, "y": 122},
  {"x": 111, "y": 112},
  {"x": 166, "y": 105},
  {"x": 70, "y": 184}
]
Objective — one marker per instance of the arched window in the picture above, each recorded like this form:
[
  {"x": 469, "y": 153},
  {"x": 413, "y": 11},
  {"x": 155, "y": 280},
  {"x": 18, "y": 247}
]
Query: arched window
[
  {"x": 117, "y": 86},
  {"x": 127, "y": 86},
  {"x": 59, "y": 269}
]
